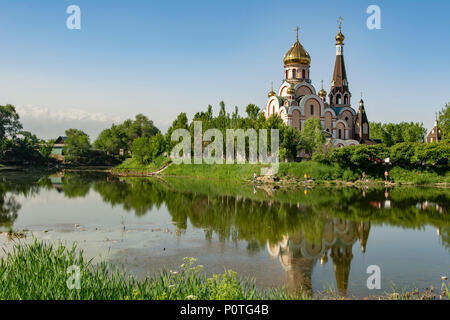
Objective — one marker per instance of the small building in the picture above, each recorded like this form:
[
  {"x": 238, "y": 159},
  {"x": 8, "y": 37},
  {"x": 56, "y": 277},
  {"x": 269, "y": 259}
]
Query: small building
[
  {"x": 435, "y": 134},
  {"x": 58, "y": 148}
]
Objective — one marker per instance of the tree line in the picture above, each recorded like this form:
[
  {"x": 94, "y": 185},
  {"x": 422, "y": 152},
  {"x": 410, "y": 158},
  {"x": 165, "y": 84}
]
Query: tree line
[{"x": 142, "y": 140}]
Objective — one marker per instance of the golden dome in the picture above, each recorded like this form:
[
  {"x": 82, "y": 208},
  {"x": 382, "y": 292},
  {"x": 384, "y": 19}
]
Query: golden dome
[
  {"x": 340, "y": 38},
  {"x": 297, "y": 54},
  {"x": 272, "y": 93},
  {"x": 322, "y": 93}
]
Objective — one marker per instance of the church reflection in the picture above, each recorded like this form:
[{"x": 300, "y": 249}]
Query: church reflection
[{"x": 299, "y": 255}]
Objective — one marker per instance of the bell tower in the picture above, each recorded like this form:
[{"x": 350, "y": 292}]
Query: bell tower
[{"x": 339, "y": 94}]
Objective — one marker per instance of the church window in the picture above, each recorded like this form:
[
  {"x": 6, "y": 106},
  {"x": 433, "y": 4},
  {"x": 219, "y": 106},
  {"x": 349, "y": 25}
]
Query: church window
[
  {"x": 338, "y": 99},
  {"x": 303, "y": 74},
  {"x": 312, "y": 109},
  {"x": 345, "y": 99},
  {"x": 365, "y": 128},
  {"x": 287, "y": 74},
  {"x": 346, "y": 119},
  {"x": 340, "y": 133},
  {"x": 294, "y": 73}
]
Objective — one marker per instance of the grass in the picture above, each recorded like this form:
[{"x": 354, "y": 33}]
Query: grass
[
  {"x": 319, "y": 172},
  {"x": 132, "y": 164},
  {"x": 39, "y": 271}
]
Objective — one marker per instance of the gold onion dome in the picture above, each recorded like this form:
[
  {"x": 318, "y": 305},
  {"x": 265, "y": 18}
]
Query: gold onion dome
[
  {"x": 272, "y": 93},
  {"x": 297, "y": 54},
  {"x": 322, "y": 93},
  {"x": 340, "y": 38}
]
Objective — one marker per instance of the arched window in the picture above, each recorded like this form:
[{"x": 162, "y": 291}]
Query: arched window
[
  {"x": 303, "y": 74},
  {"x": 340, "y": 133},
  {"x": 294, "y": 73},
  {"x": 312, "y": 109},
  {"x": 345, "y": 99},
  {"x": 338, "y": 99},
  {"x": 346, "y": 119},
  {"x": 287, "y": 74},
  {"x": 365, "y": 128}
]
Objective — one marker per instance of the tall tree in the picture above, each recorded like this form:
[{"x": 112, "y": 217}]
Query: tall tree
[
  {"x": 312, "y": 135},
  {"x": 444, "y": 121},
  {"x": 76, "y": 146},
  {"x": 9, "y": 122}
]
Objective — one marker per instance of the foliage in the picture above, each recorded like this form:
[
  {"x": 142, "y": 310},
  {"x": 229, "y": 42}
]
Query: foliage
[
  {"x": 38, "y": 271},
  {"x": 9, "y": 122},
  {"x": 77, "y": 146},
  {"x": 122, "y": 136},
  {"x": 444, "y": 121},
  {"x": 146, "y": 149},
  {"x": 312, "y": 135},
  {"x": 392, "y": 133}
]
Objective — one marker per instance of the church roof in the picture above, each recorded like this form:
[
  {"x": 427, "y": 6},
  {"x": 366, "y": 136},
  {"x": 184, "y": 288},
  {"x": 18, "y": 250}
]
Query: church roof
[{"x": 337, "y": 110}]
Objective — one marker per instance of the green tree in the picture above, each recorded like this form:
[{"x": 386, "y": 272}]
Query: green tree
[
  {"x": 392, "y": 133},
  {"x": 181, "y": 122},
  {"x": 312, "y": 135},
  {"x": 77, "y": 146},
  {"x": 122, "y": 136},
  {"x": 9, "y": 122},
  {"x": 444, "y": 121},
  {"x": 112, "y": 140},
  {"x": 142, "y": 150},
  {"x": 290, "y": 141}
]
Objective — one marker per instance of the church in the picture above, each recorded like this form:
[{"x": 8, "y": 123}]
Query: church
[{"x": 297, "y": 100}]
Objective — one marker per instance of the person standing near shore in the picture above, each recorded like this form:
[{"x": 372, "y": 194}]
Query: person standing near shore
[
  {"x": 386, "y": 176},
  {"x": 255, "y": 177},
  {"x": 306, "y": 178}
]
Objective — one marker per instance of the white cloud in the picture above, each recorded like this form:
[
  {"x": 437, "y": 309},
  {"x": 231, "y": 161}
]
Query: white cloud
[
  {"x": 35, "y": 112},
  {"x": 48, "y": 123}
]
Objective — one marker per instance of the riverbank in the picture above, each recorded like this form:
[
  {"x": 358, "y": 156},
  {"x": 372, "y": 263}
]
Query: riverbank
[
  {"x": 293, "y": 173},
  {"x": 39, "y": 271}
]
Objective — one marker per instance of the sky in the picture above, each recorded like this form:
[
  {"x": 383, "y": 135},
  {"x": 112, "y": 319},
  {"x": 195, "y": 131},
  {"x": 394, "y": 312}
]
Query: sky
[{"x": 161, "y": 58}]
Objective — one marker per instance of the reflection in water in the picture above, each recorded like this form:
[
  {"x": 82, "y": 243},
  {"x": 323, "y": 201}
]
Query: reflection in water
[
  {"x": 299, "y": 255},
  {"x": 300, "y": 227}
]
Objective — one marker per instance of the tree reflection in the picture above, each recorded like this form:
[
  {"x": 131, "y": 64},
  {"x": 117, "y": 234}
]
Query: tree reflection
[{"x": 299, "y": 228}]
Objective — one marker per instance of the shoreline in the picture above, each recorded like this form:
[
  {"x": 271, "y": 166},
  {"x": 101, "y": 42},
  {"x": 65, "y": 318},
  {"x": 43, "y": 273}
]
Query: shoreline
[{"x": 188, "y": 282}]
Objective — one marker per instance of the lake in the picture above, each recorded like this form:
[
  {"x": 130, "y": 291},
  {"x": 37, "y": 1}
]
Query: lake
[{"x": 314, "y": 238}]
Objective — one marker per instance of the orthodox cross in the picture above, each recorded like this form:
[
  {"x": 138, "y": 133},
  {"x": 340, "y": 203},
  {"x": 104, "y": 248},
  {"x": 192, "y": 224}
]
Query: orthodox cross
[{"x": 340, "y": 23}]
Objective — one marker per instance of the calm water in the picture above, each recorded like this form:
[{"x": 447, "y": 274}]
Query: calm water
[{"x": 317, "y": 238}]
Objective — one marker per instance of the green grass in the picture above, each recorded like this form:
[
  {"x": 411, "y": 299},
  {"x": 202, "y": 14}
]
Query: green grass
[
  {"x": 315, "y": 170},
  {"x": 38, "y": 271},
  {"x": 132, "y": 164}
]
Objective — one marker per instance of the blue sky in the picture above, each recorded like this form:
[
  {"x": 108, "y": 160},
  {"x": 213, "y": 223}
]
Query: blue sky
[{"x": 161, "y": 58}]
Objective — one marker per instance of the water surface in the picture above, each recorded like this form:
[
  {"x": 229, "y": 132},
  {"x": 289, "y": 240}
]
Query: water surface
[{"x": 320, "y": 238}]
